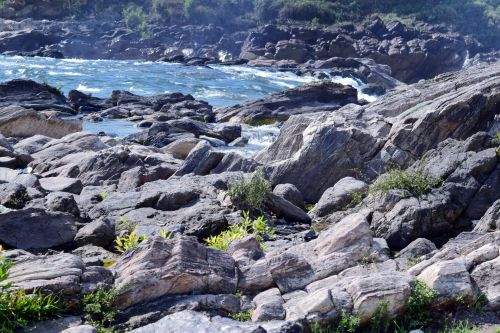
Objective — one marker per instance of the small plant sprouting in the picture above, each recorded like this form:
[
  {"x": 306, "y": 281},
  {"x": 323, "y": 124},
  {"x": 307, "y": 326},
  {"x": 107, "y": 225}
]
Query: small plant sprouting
[
  {"x": 258, "y": 227},
  {"x": 412, "y": 261},
  {"x": 129, "y": 239},
  {"x": 165, "y": 234},
  {"x": 242, "y": 315},
  {"x": 102, "y": 196},
  {"x": 348, "y": 324}
]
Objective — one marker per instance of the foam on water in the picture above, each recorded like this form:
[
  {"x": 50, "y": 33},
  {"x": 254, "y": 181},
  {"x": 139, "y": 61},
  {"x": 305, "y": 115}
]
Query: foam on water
[{"x": 219, "y": 85}]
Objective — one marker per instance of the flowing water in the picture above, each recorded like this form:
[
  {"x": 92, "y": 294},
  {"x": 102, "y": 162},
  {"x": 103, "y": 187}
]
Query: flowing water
[{"x": 216, "y": 84}]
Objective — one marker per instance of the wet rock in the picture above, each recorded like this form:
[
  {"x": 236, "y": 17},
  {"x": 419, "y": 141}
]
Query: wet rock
[{"x": 311, "y": 98}]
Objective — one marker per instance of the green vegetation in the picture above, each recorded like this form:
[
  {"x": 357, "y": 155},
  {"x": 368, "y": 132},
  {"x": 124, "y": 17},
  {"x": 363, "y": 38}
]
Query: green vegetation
[
  {"x": 136, "y": 20},
  {"x": 417, "y": 315},
  {"x": 347, "y": 324},
  {"x": 99, "y": 310},
  {"x": 415, "y": 183},
  {"x": 249, "y": 193},
  {"x": 258, "y": 227},
  {"x": 129, "y": 239},
  {"x": 52, "y": 89},
  {"x": 459, "y": 327},
  {"x": 241, "y": 316},
  {"x": 18, "y": 308},
  {"x": 412, "y": 261},
  {"x": 103, "y": 195}
]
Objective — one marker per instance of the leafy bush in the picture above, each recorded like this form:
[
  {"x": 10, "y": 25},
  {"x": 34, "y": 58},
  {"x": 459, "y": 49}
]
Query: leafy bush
[
  {"x": 249, "y": 193},
  {"x": 18, "y": 308},
  {"x": 246, "y": 226},
  {"x": 347, "y": 324},
  {"x": 99, "y": 309},
  {"x": 418, "y": 308},
  {"x": 136, "y": 20},
  {"x": 415, "y": 183}
]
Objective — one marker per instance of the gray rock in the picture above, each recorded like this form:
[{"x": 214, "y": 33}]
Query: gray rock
[
  {"x": 339, "y": 197},
  {"x": 283, "y": 208},
  {"x": 181, "y": 148},
  {"x": 417, "y": 248},
  {"x": 13, "y": 195},
  {"x": 36, "y": 229},
  {"x": 62, "y": 202},
  {"x": 100, "y": 233},
  {"x": 56, "y": 325},
  {"x": 486, "y": 277},
  {"x": 491, "y": 219},
  {"x": 61, "y": 184},
  {"x": 268, "y": 306},
  {"x": 160, "y": 267},
  {"x": 81, "y": 329},
  {"x": 201, "y": 160},
  {"x": 291, "y": 193},
  {"x": 60, "y": 273}
]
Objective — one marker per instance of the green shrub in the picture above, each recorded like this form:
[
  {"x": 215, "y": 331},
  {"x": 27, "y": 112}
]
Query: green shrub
[
  {"x": 347, "y": 324},
  {"x": 415, "y": 183},
  {"x": 459, "y": 327},
  {"x": 241, "y": 316},
  {"x": 99, "y": 309},
  {"x": 418, "y": 308},
  {"x": 136, "y": 20},
  {"x": 249, "y": 193},
  {"x": 18, "y": 308},
  {"x": 258, "y": 227}
]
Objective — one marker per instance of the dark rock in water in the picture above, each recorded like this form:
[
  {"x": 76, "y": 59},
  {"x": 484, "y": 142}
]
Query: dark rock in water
[
  {"x": 32, "y": 95},
  {"x": 316, "y": 97},
  {"x": 36, "y": 229}
]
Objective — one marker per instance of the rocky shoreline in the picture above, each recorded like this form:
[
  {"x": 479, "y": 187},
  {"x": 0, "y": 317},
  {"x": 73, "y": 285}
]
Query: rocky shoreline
[
  {"x": 80, "y": 186},
  {"x": 357, "y": 209}
]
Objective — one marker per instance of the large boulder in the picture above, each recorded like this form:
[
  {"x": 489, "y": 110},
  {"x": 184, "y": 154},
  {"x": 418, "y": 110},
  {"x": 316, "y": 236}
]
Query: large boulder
[
  {"x": 36, "y": 229},
  {"x": 311, "y": 98},
  {"x": 181, "y": 265},
  {"x": 393, "y": 131}
]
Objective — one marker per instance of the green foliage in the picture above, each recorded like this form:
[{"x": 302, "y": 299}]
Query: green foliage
[
  {"x": 128, "y": 241},
  {"x": 165, "y": 234},
  {"x": 99, "y": 308},
  {"x": 241, "y": 316},
  {"x": 380, "y": 320},
  {"x": 418, "y": 308},
  {"x": 52, "y": 89},
  {"x": 347, "y": 324},
  {"x": 479, "y": 303},
  {"x": 103, "y": 195},
  {"x": 258, "y": 227},
  {"x": 412, "y": 261},
  {"x": 18, "y": 308},
  {"x": 459, "y": 327},
  {"x": 249, "y": 193},
  {"x": 136, "y": 20},
  {"x": 415, "y": 183}
]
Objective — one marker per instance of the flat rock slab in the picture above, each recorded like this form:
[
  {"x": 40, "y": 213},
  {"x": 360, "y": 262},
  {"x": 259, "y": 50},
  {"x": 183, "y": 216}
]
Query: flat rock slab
[
  {"x": 61, "y": 184},
  {"x": 36, "y": 229}
]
